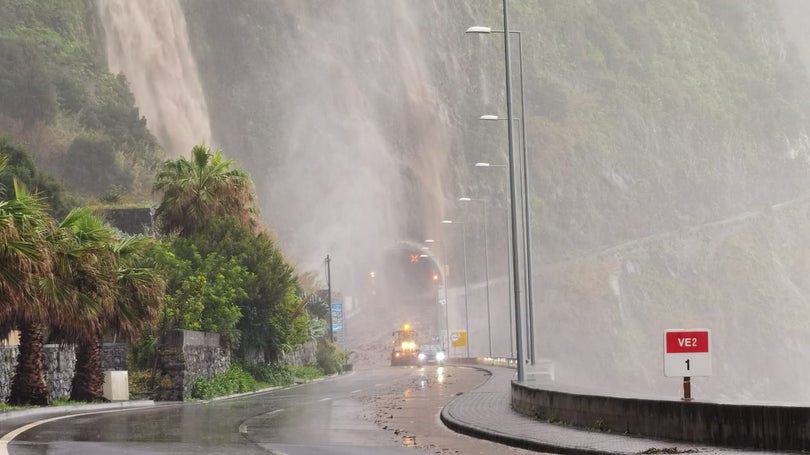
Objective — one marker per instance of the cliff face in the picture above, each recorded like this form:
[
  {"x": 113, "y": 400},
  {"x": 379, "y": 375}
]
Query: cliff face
[{"x": 665, "y": 140}]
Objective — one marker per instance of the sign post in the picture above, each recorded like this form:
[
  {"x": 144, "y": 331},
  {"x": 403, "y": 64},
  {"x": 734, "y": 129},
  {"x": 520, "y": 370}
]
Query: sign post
[
  {"x": 458, "y": 339},
  {"x": 687, "y": 353},
  {"x": 338, "y": 327}
]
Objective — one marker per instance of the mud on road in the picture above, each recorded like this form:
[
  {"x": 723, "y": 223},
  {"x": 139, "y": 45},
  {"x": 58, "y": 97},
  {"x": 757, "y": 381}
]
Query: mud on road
[{"x": 409, "y": 408}]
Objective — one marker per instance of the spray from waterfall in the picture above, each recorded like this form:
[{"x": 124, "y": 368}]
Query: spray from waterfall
[{"x": 147, "y": 41}]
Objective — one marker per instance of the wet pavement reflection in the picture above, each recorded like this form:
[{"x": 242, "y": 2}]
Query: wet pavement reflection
[{"x": 389, "y": 410}]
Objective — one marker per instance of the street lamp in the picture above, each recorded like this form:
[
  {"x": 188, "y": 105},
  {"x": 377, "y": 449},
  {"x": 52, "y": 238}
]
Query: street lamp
[
  {"x": 444, "y": 301},
  {"x": 527, "y": 244},
  {"x": 525, "y": 172},
  {"x": 466, "y": 309},
  {"x": 482, "y": 164},
  {"x": 486, "y": 266},
  {"x": 512, "y": 190}
]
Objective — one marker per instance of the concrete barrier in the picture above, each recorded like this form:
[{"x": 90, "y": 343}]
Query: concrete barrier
[
  {"x": 116, "y": 385},
  {"x": 762, "y": 427}
]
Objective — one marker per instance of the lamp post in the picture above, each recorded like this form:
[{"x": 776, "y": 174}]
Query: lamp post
[
  {"x": 513, "y": 193},
  {"x": 328, "y": 261},
  {"x": 527, "y": 243},
  {"x": 443, "y": 302},
  {"x": 525, "y": 172},
  {"x": 486, "y": 266},
  {"x": 466, "y": 308},
  {"x": 508, "y": 261}
]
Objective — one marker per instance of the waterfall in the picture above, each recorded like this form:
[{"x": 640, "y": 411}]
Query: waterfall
[{"x": 147, "y": 41}]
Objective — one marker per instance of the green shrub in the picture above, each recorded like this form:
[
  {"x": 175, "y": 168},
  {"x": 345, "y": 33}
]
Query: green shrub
[
  {"x": 306, "y": 372},
  {"x": 330, "y": 357},
  {"x": 272, "y": 374},
  {"x": 235, "y": 380}
]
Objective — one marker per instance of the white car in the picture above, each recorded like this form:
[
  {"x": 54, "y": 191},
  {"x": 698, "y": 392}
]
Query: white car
[{"x": 431, "y": 353}]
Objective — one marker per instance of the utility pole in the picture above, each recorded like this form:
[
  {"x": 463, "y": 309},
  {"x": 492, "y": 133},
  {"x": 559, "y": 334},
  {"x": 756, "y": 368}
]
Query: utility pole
[{"x": 329, "y": 296}]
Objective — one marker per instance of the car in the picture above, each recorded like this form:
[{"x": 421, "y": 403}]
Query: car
[{"x": 431, "y": 353}]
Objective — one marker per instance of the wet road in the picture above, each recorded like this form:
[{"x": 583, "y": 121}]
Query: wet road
[{"x": 341, "y": 415}]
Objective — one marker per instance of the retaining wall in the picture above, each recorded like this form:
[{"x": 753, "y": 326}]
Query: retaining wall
[
  {"x": 186, "y": 355},
  {"x": 763, "y": 427},
  {"x": 59, "y": 362},
  {"x": 306, "y": 355}
]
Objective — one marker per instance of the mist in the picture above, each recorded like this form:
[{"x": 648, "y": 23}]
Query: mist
[
  {"x": 660, "y": 200},
  {"x": 147, "y": 41}
]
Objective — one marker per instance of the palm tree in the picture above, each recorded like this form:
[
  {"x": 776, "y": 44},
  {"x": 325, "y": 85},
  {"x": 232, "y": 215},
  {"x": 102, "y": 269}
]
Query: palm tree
[
  {"x": 84, "y": 284},
  {"x": 207, "y": 186},
  {"x": 25, "y": 261},
  {"x": 137, "y": 296}
]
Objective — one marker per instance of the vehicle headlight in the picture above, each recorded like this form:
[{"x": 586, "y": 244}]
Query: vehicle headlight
[
  {"x": 439, "y": 356},
  {"x": 412, "y": 345},
  {"x": 404, "y": 345},
  {"x": 422, "y": 356}
]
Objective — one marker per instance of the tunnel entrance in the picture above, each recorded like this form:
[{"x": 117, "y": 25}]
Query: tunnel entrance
[{"x": 409, "y": 285}]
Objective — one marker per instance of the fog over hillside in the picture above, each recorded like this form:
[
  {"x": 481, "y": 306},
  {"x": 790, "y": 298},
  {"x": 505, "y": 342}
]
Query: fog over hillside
[{"x": 668, "y": 149}]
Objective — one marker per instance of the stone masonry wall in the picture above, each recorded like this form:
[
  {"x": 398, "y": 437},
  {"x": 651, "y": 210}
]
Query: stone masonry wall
[
  {"x": 114, "y": 357},
  {"x": 306, "y": 355},
  {"x": 184, "y": 357},
  {"x": 59, "y": 362}
]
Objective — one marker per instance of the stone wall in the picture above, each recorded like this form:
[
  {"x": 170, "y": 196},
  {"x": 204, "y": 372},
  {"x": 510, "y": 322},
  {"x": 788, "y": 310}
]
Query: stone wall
[
  {"x": 114, "y": 357},
  {"x": 59, "y": 362},
  {"x": 306, "y": 355},
  {"x": 184, "y": 357}
]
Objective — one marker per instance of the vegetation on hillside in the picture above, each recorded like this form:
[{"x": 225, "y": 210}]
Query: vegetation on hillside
[
  {"x": 79, "y": 122},
  {"x": 645, "y": 116},
  {"x": 78, "y": 281}
]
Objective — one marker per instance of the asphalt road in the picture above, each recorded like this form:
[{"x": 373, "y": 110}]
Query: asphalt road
[{"x": 387, "y": 410}]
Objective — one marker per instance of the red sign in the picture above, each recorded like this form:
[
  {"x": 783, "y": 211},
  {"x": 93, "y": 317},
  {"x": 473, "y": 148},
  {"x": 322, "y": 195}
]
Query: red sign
[{"x": 687, "y": 342}]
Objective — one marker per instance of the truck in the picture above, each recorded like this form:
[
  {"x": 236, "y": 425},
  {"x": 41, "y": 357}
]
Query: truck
[{"x": 405, "y": 349}]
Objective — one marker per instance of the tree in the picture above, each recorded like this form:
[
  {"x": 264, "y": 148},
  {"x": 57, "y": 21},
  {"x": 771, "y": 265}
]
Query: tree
[
  {"x": 137, "y": 297},
  {"x": 26, "y": 91},
  {"x": 25, "y": 260},
  {"x": 94, "y": 166},
  {"x": 272, "y": 321},
  {"x": 21, "y": 166},
  {"x": 205, "y": 291},
  {"x": 197, "y": 190},
  {"x": 83, "y": 287}
]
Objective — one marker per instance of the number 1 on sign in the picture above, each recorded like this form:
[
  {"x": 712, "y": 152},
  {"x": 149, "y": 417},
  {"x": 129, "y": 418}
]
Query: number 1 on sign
[{"x": 687, "y": 364}]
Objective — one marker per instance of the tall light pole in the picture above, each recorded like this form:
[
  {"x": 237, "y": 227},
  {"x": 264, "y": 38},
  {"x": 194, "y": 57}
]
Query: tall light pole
[
  {"x": 513, "y": 193},
  {"x": 525, "y": 174},
  {"x": 328, "y": 261},
  {"x": 508, "y": 261},
  {"x": 527, "y": 243},
  {"x": 446, "y": 342},
  {"x": 466, "y": 308},
  {"x": 486, "y": 265}
]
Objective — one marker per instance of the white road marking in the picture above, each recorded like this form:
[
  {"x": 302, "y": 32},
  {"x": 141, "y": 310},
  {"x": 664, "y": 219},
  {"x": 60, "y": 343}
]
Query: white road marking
[
  {"x": 357, "y": 391},
  {"x": 243, "y": 427},
  {"x": 8, "y": 437}
]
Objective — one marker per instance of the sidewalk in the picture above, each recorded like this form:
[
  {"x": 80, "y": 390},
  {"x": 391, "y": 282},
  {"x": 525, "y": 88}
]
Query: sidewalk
[{"x": 485, "y": 413}]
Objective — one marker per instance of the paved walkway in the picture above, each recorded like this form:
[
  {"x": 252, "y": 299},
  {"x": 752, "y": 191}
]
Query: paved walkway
[{"x": 485, "y": 413}]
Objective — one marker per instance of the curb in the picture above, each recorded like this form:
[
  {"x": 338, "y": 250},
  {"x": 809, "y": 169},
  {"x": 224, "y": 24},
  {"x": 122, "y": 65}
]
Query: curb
[
  {"x": 268, "y": 389},
  {"x": 72, "y": 409},
  {"x": 460, "y": 426}
]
